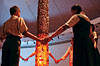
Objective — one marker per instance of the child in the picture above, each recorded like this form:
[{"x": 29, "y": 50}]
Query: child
[
  {"x": 94, "y": 37},
  {"x": 68, "y": 52},
  {"x": 26, "y": 59}
]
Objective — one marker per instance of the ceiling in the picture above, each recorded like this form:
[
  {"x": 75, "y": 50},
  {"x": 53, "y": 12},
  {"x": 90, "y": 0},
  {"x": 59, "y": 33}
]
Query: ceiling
[{"x": 59, "y": 11}]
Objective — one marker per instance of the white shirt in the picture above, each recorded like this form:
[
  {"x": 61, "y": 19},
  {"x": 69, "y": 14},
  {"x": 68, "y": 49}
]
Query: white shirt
[{"x": 14, "y": 25}]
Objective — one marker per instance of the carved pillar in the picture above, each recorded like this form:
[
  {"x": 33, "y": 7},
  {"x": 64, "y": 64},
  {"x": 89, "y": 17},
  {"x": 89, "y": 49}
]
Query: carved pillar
[{"x": 42, "y": 56}]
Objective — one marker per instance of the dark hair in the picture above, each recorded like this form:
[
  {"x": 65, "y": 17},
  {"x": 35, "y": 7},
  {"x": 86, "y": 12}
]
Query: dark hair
[
  {"x": 77, "y": 7},
  {"x": 13, "y": 10}
]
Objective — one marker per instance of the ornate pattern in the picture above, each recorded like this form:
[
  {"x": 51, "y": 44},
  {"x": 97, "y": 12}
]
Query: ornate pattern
[{"x": 42, "y": 54}]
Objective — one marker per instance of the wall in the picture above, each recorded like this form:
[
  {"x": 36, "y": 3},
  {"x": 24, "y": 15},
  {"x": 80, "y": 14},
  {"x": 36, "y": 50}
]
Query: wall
[{"x": 57, "y": 51}]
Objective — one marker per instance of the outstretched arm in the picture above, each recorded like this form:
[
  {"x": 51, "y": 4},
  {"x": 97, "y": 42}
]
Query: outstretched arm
[
  {"x": 59, "y": 30},
  {"x": 66, "y": 54},
  {"x": 28, "y": 34},
  {"x": 21, "y": 57},
  {"x": 29, "y": 56},
  {"x": 70, "y": 23},
  {"x": 64, "y": 57},
  {"x": 52, "y": 56},
  {"x": 59, "y": 60}
]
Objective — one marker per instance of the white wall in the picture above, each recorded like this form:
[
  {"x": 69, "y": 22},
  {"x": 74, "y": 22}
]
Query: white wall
[{"x": 57, "y": 51}]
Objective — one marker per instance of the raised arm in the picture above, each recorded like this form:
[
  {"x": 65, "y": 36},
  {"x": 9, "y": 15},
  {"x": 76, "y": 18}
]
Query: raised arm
[
  {"x": 28, "y": 34},
  {"x": 59, "y": 30},
  {"x": 66, "y": 54},
  {"x": 70, "y": 23},
  {"x": 21, "y": 57},
  {"x": 52, "y": 56},
  {"x": 29, "y": 56},
  {"x": 64, "y": 57},
  {"x": 22, "y": 28}
]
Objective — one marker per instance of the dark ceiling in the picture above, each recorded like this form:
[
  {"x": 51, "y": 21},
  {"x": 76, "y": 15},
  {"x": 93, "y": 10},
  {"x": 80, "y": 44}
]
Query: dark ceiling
[{"x": 59, "y": 11}]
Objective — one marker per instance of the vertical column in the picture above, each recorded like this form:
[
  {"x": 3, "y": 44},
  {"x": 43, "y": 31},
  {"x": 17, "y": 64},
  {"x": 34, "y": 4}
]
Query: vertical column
[{"x": 42, "y": 50}]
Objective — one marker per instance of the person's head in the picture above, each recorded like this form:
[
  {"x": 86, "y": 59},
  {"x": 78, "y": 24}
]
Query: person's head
[
  {"x": 76, "y": 9},
  {"x": 72, "y": 40},
  {"x": 15, "y": 11}
]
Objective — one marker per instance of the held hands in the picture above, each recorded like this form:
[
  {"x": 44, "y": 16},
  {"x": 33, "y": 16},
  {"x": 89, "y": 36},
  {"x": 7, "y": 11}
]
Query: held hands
[
  {"x": 22, "y": 58},
  {"x": 57, "y": 61},
  {"x": 25, "y": 59},
  {"x": 45, "y": 40}
]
